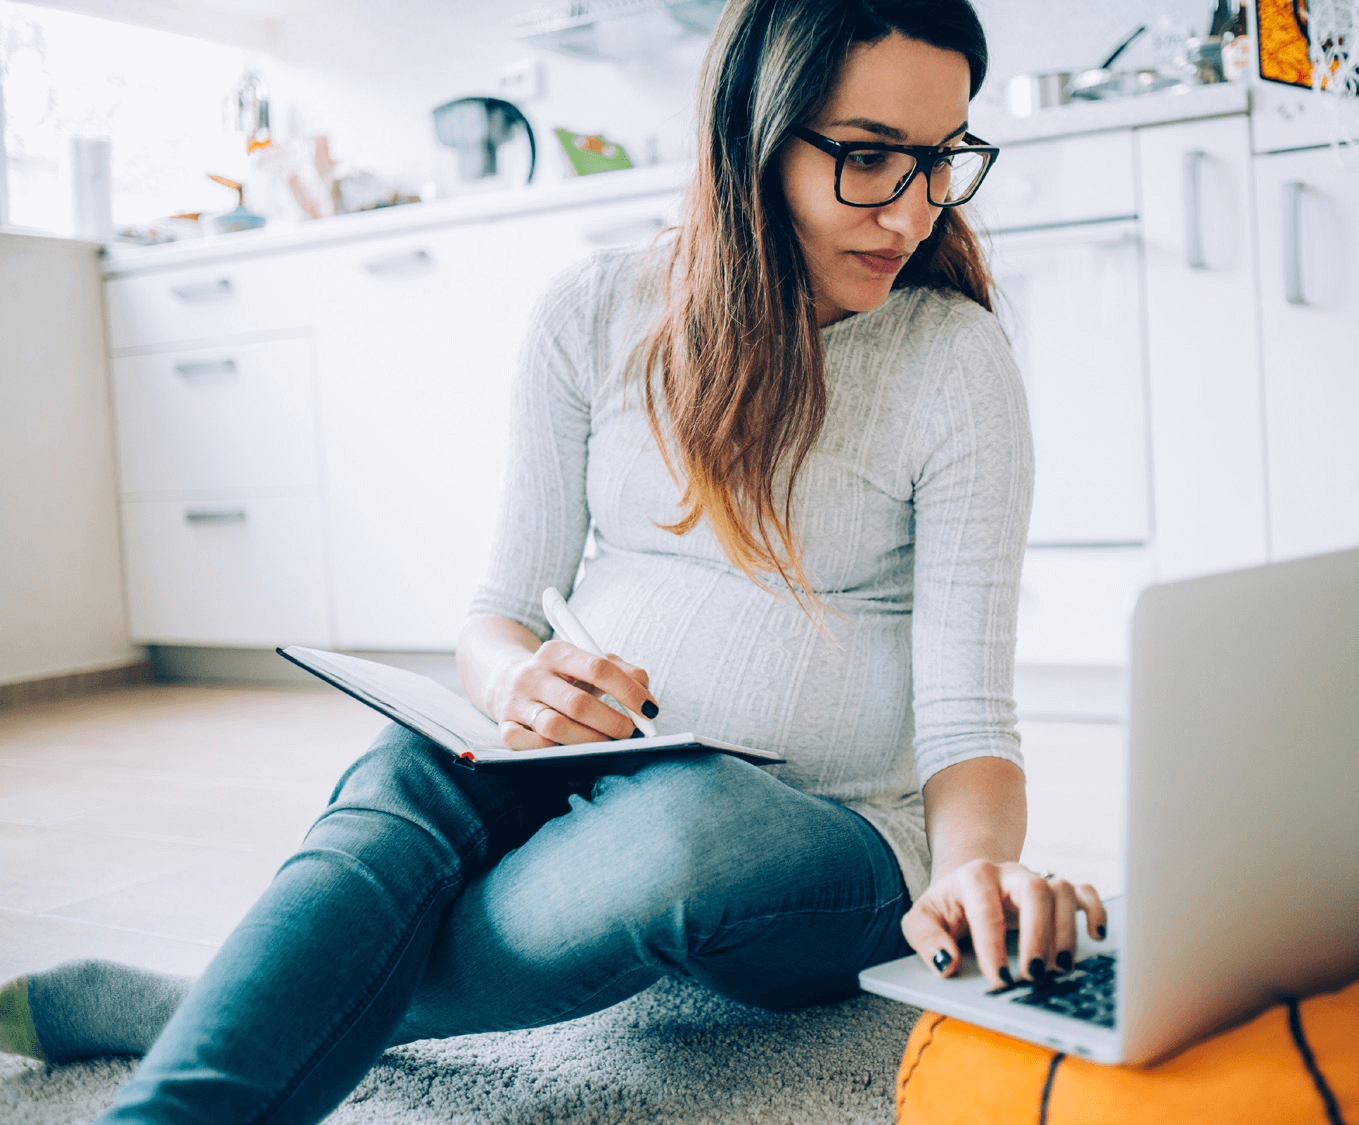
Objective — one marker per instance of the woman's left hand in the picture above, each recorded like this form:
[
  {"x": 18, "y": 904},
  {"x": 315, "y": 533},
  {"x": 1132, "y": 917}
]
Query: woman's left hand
[{"x": 982, "y": 899}]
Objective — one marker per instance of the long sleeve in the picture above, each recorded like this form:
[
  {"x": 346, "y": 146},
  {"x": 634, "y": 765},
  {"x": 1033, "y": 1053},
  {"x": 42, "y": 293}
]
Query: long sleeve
[
  {"x": 972, "y": 497},
  {"x": 544, "y": 513}
]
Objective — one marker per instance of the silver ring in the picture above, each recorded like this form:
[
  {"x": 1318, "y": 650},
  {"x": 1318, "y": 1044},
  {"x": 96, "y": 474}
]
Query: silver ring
[
  {"x": 533, "y": 719},
  {"x": 1049, "y": 875}
]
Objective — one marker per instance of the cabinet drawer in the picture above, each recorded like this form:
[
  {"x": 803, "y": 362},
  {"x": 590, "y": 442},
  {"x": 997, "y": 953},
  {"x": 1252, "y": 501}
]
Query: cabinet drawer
[
  {"x": 231, "y": 418},
  {"x": 241, "y": 572},
  {"x": 1075, "y": 606},
  {"x": 205, "y": 303},
  {"x": 1075, "y": 180}
]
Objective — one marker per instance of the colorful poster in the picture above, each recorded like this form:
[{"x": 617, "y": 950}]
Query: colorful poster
[{"x": 1282, "y": 28}]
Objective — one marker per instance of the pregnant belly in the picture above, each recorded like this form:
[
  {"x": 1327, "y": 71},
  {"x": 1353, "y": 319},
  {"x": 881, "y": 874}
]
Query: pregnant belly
[{"x": 735, "y": 662}]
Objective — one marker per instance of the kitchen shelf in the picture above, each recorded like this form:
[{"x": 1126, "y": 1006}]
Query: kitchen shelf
[{"x": 615, "y": 29}]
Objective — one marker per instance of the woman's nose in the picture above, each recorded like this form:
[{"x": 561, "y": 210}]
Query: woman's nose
[{"x": 911, "y": 213}]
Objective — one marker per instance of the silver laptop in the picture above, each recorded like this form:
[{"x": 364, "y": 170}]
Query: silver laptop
[{"x": 1242, "y": 855}]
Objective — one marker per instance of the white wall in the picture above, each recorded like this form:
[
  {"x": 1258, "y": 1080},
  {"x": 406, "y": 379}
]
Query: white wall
[
  {"x": 61, "y": 585},
  {"x": 369, "y": 75},
  {"x": 371, "y": 85}
]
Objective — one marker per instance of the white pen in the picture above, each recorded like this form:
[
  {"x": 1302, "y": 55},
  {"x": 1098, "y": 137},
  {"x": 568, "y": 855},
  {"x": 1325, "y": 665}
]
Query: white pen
[{"x": 566, "y": 623}]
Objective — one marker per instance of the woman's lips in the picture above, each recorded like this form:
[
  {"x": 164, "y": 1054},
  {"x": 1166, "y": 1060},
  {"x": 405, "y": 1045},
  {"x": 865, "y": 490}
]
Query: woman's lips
[{"x": 879, "y": 263}]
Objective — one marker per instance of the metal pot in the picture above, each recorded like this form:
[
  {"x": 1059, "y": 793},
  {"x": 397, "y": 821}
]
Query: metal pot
[
  {"x": 1026, "y": 94},
  {"x": 1102, "y": 82}
]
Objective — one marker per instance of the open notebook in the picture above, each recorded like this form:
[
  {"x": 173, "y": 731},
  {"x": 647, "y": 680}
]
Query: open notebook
[{"x": 445, "y": 717}]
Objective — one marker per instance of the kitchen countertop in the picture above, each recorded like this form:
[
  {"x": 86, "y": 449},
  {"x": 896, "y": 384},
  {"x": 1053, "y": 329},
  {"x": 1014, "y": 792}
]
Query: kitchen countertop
[
  {"x": 121, "y": 258},
  {"x": 991, "y": 122},
  {"x": 1184, "y": 103}
]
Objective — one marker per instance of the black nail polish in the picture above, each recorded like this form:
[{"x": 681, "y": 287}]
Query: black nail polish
[
  {"x": 1005, "y": 976},
  {"x": 1101, "y": 931},
  {"x": 636, "y": 733},
  {"x": 649, "y": 709},
  {"x": 1037, "y": 970},
  {"x": 1064, "y": 960},
  {"x": 943, "y": 959}
]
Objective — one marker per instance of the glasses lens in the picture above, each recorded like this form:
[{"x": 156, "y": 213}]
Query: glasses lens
[
  {"x": 954, "y": 179},
  {"x": 870, "y": 176}
]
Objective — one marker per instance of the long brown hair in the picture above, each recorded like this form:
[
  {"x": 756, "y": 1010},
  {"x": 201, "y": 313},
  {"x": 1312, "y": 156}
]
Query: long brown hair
[{"x": 738, "y": 347}]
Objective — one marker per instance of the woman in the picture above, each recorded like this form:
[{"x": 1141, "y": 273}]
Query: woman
[{"x": 801, "y": 441}]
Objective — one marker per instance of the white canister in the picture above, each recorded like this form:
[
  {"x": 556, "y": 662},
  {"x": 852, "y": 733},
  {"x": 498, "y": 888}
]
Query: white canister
[{"x": 92, "y": 188}]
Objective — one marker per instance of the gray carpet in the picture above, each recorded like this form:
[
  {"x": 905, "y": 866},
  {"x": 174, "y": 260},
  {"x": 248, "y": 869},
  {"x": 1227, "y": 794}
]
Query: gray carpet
[{"x": 674, "y": 1053}]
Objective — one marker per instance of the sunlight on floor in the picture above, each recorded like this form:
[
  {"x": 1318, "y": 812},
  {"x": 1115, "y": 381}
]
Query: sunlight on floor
[{"x": 140, "y": 824}]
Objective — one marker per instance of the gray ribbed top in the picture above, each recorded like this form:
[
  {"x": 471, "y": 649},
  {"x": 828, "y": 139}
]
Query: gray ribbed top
[{"x": 911, "y": 512}]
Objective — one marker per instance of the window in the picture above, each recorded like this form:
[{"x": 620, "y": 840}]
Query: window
[{"x": 157, "y": 97}]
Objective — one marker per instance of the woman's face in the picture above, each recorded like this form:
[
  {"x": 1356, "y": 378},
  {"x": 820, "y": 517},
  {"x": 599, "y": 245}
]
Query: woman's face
[{"x": 900, "y": 91}]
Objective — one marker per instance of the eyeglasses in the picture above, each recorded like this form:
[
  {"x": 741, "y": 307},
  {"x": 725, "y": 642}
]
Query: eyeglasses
[{"x": 869, "y": 174}]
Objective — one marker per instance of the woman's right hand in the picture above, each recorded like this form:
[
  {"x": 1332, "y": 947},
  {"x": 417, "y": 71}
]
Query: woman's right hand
[{"x": 551, "y": 697}]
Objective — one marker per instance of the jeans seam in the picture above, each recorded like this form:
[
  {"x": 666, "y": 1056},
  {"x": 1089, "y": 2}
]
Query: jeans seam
[
  {"x": 774, "y": 916},
  {"x": 777, "y": 915},
  {"x": 364, "y": 998}
]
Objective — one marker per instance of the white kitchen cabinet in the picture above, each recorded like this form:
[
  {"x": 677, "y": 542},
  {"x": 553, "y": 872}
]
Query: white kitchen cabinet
[
  {"x": 417, "y": 340},
  {"x": 1308, "y": 228},
  {"x": 219, "y": 469},
  {"x": 1070, "y": 301},
  {"x": 242, "y": 571},
  {"x": 1207, "y": 429},
  {"x": 226, "y": 419},
  {"x": 205, "y": 303}
]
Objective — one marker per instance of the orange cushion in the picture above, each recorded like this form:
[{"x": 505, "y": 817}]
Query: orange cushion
[{"x": 1254, "y": 1073}]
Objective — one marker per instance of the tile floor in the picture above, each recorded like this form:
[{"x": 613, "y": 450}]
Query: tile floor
[{"x": 140, "y": 824}]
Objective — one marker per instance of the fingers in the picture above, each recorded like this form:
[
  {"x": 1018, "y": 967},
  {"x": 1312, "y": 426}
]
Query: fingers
[
  {"x": 638, "y": 674},
  {"x": 572, "y": 715},
  {"x": 1096, "y": 917},
  {"x": 518, "y": 737},
  {"x": 555, "y": 698},
  {"x": 541, "y": 724},
  {"x": 625, "y": 682},
  {"x": 966, "y": 901},
  {"x": 1047, "y": 907},
  {"x": 928, "y": 932},
  {"x": 981, "y": 898},
  {"x": 1063, "y": 924},
  {"x": 1032, "y": 897},
  {"x": 976, "y": 899}
]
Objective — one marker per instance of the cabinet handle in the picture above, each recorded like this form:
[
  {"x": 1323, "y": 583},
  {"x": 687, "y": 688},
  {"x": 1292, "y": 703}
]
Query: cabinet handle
[
  {"x": 206, "y": 368},
  {"x": 631, "y": 230},
  {"x": 1292, "y": 242},
  {"x": 406, "y": 262},
  {"x": 214, "y": 515},
  {"x": 204, "y": 290},
  {"x": 1194, "y": 256}
]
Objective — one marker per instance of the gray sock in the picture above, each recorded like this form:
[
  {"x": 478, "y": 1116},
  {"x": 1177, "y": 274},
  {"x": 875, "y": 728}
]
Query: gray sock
[{"x": 83, "y": 1009}]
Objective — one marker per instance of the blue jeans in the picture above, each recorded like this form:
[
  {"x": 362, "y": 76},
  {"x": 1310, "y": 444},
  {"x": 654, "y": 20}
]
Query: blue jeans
[{"x": 430, "y": 900}]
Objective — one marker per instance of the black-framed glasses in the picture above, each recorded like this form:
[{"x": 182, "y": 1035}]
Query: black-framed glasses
[{"x": 872, "y": 174}]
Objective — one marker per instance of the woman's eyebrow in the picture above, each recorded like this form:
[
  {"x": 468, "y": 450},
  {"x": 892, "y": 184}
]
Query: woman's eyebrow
[{"x": 891, "y": 133}]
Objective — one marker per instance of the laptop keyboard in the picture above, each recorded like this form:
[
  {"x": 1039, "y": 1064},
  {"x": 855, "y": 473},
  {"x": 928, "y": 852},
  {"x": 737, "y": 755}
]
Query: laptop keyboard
[{"x": 1086, "y": 993}]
